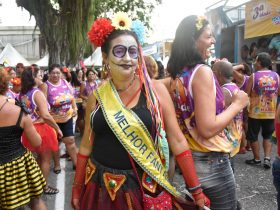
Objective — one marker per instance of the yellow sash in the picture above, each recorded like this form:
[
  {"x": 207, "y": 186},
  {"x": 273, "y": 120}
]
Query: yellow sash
[{"x": 133, "y": 135}]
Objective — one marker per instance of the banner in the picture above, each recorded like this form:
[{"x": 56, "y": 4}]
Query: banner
[{"x": 262, "y": 18}]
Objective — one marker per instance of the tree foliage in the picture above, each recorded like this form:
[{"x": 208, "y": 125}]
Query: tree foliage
[{"x": 64, "y": 23}]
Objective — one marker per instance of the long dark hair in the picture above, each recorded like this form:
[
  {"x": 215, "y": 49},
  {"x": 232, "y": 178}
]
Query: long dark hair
[
  {"x": 184, "y": 52},
  {"x": 74, "y": 81},
  {"x": 77, "y": 72},
  {"x": 27, "y": 80}
]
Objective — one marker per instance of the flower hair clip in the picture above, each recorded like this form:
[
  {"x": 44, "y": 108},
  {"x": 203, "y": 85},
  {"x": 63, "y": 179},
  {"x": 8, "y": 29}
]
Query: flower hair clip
[
  {"x": 121, "y": 21},
  {"x": 139, "y": 29},
  {"x": 199, "y": 22},
  {"x": 65, "y": 70},
  {"x": 102, "y": 27},
  {"x": 100, "y": 30},
  {"x": 16, "y": 81}
]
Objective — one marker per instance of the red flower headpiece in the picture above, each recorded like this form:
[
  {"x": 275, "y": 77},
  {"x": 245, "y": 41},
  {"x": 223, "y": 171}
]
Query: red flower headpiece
[
  {"x": 99, "y": 31},
  {"x": 65, "y": 70},
  {"x": 16, "y": 81}
]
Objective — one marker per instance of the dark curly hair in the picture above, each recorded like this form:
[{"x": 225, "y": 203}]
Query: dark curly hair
[
  {"x": 4, "y": 81},
  {"x": 184, "y": 52}
]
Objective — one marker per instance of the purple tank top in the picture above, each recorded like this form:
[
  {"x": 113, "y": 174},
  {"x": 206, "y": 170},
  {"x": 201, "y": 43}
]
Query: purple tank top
[
  {"x": 89, "y": 88},
  {"x": 235, "y": 127},
  {"x": 76, "y": 92},
  {"x": 60, "y": 97},
  {"x": 189, "y": 110},
  {"x": 11, "y": 95},
  {"x": 29, "y": 103},
  {"x": 263, "y": 96},
  {"x": 245, "y": 83},
  {"x": 181, "y": 89},
  {"x": 265, "y": 82},
  {"x": 232, "y": 88}
]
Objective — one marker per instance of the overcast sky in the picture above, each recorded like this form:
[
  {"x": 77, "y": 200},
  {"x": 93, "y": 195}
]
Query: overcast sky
[{"x": 165, "y": 20}]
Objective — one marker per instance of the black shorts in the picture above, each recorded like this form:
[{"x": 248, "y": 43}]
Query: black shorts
[
  {"x": 67, "y": 128},
  {"x": 254, "y": 126}
]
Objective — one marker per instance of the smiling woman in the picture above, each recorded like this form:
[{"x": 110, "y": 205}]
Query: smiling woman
[{"x": 196, "y": 91}]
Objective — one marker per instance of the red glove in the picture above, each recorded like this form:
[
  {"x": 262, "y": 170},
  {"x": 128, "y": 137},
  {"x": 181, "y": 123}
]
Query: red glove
[
  {"x": 79, "y": 180},
  {"x": 186, "y": 164},
  {"x": 277, "y": 132}
]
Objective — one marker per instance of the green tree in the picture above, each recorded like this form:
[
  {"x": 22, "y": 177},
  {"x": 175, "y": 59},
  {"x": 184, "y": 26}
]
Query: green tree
[{"x": 64, "y": 23}]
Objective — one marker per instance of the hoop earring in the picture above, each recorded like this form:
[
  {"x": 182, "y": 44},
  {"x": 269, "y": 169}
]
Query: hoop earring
[
  {"x": 107, "y": 67},
  {"x": 105, "y": 71}
]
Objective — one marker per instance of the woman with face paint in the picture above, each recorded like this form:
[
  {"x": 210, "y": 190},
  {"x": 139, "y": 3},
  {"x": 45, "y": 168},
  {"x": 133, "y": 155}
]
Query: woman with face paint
[
  {"x": 129, "y": 125},
  {"x": 199, "y": 103}
]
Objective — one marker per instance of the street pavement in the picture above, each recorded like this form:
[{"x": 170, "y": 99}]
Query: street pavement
[{"x": 254, "y": 185}]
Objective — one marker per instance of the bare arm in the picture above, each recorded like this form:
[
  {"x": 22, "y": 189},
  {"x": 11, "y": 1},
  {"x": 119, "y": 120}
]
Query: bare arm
[
  {"x": 249, "y": 85},
  {"x": 82, "y": 89},
  {"x": 44, "y": 89},
  {"x": 41, "y": 103},
  {"x": 208, "y": 123},
  {"x": 176, "y": 138},
  {"x": 227, "y": 97},
  {"x": 179, "y": 144},
  {"x": 74, "y": 107},
  {"x": 166, "y": 81},
  {"x": 238, "y": 77},
  {"x": 33, "y": 137},
  {"x": 86, "y": 147}
]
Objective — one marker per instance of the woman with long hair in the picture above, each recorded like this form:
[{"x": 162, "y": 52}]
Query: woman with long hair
[
  {"x": 36, "y": 104},
  {"x": 21, "y": 181},
  {"x": 199, "y": 105}
]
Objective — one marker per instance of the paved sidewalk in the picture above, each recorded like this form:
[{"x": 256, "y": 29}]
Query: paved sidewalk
[{"x": 255, "y": 189}]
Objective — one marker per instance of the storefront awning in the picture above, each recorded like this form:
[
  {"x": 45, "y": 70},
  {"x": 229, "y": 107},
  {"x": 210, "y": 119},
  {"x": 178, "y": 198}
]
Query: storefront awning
[{"x": 262, "y": 18}]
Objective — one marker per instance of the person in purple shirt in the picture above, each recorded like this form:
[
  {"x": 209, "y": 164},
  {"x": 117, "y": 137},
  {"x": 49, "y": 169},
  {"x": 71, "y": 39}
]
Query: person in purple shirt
[
  {"x": 199, "y": 105},
  {"x": 263, "y": 89}
]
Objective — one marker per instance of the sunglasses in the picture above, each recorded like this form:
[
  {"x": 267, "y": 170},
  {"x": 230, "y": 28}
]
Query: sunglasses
[{"x": 119, "y": 51}]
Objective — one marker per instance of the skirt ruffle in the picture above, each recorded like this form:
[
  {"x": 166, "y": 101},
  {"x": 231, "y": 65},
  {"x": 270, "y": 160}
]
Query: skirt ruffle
[
  {"x": 20, "y": 180},
  {"x": 49, "y": 139},
  {"x": 128, "y": 196}
]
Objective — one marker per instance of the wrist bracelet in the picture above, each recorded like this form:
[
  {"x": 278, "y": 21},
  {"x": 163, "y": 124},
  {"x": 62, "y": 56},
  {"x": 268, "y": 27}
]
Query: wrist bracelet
[{"x": 191, "y": 189}]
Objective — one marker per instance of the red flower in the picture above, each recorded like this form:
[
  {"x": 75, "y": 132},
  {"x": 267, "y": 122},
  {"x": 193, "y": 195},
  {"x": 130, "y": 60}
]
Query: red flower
[
  {"x": 16, "y": 81},
  {"x": 65, "y": 70},
  {"x": 99, "y": 31}
]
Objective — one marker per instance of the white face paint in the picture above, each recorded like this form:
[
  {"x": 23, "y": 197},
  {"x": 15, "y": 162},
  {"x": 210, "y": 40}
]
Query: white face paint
[
  {"x": 204, "y": 42},
  {"x": 123, "y": 67}
]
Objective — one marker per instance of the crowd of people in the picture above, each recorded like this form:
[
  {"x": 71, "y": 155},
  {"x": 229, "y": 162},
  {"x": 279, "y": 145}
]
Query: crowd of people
[{"x": 136, "y": 123}]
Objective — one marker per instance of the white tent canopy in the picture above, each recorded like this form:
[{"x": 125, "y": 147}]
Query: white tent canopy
[
  {"x": 10, "y": 57},
  {"x": 95, "y": 59},
  {"x": 43, "y": 61}
]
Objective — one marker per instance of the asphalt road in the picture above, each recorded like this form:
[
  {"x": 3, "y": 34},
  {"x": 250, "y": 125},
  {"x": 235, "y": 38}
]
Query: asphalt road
[{"x": 255, "y": 189}]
